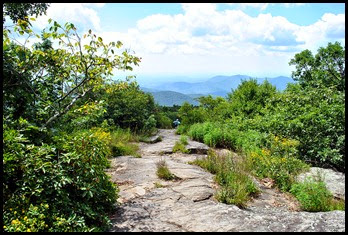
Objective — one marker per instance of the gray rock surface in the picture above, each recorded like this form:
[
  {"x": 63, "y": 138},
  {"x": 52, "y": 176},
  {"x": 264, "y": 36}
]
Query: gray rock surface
[{"x": 188, "y": 204}]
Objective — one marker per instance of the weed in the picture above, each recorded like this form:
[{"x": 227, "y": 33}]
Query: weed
[
  {"x": 236, "y": 186},
  {"x": 159, "y": 185},
  {"x": 163, "y": 171},
  {"x": 183, "y": 140},
  {"x": 179, "y": 147}
]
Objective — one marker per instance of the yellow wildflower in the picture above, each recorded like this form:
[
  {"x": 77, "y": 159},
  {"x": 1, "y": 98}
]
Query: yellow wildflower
[{"x": 28, "y": 230}]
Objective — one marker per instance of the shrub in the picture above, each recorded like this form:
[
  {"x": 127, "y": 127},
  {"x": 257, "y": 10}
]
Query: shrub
[
  {"x": 314, "y": 117},
  {"x": 129, "y": 107},
  {"x": 163, "y": 121},
  {"x": 314, "y": 196},
  {"x": 281, "y": 169},
  {"x": 182, "y": 129},
  {"x": 60, "y": 187}
]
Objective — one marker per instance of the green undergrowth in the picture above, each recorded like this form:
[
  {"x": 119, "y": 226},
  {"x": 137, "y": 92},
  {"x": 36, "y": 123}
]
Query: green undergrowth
[
  {"x": 236, "y": 186},
  {"x": 179, "y": 146},
  {"x": 271, "y": 156},
  {"x": 265, "y": 156},
  {"x": 122, "y": 142},
  {"x": 58, "y": 187},
  {"x": 314, "y": 196}
]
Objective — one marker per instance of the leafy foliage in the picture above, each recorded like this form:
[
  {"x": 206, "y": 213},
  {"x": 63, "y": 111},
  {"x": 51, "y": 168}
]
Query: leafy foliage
[
  {"x": 43, "y": 183},
  {"x": 314, "y": 117},
  {"x": 314, "y": 196},
  {"x": 55, "y": 136},
  {"x": 249, "y": 98},
  {"x": 325, "y": 69},
  {"x": 130, "y": 107},
  {"x": 21, "y": 11}
]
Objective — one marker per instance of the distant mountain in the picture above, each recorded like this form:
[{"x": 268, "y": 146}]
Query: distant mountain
[
  {"x": 170, "y": 98},
  {"x": 281, "y": 82},
  {"x": 219, "y": 85},
  {"x": 145, "y": 89},
  {"x": 195, "y": 95}
]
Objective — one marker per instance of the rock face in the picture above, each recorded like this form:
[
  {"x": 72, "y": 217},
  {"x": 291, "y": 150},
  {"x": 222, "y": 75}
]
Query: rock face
[
  {"x": 335, "y": 181},
  {"x": 148, "y": 203}
]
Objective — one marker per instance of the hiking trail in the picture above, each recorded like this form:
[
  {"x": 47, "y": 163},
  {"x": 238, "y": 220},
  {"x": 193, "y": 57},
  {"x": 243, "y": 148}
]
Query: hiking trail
[{"x": 147, "y": 203}]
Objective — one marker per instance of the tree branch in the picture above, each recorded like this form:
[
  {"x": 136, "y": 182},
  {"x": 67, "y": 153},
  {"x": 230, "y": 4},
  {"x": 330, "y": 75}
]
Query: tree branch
[{"x": 66, "y": 109}]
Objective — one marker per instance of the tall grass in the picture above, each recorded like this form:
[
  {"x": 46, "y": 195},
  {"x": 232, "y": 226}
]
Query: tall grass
[
  {"x": 232, "y": 175},
  {"x": 122, "y": 143},
  {"x": 314, "y": 196}
]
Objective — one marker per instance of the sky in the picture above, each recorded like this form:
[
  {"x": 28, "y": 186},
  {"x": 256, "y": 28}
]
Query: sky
[{"x": 196, "y": 41}]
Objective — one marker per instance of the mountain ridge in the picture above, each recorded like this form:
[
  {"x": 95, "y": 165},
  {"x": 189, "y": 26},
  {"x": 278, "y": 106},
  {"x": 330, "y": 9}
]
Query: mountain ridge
[{"x": 170, "y": 93}]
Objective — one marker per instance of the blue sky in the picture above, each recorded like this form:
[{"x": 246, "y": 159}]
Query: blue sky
[{"x": 197, "y": 41}]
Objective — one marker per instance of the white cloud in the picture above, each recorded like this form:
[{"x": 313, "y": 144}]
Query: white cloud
[
  {"x": 76, "y": 13},
  {"x": 229, "y": 40},
  {"x": 329, "y": 27}
]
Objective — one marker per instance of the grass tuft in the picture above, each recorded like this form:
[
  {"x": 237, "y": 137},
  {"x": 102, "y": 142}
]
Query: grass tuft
[
  {"x": 163, "y": 171},
  {"x": 179, "y": 147}
]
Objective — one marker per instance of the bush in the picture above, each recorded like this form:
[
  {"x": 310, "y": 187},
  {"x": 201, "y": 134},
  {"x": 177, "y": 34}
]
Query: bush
[
  {"x": 182, "y": 129},
  {"x": 314, "y": 117},
  {"x": 57, "y": 188},
  {"x": 130, "y": 107},
  {"x": 314, "y": 196},
  {"x": 281, "y": 169},
  {"x": 163, "y": 121}
]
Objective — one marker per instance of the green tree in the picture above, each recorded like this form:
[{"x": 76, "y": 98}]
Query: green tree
[
  {"x": 57, "y": 182},
  {"x": 326, "y": 68},
  {"x": 55, "y": 79},
  {"x": 21, "y": 11},
  {"x": 129, "y": 107},
  {"x": 250, "y": 97}
]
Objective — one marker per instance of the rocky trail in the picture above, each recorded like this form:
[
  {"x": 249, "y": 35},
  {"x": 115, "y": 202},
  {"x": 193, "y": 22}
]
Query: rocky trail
[{"x": 147, "y": 203}]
